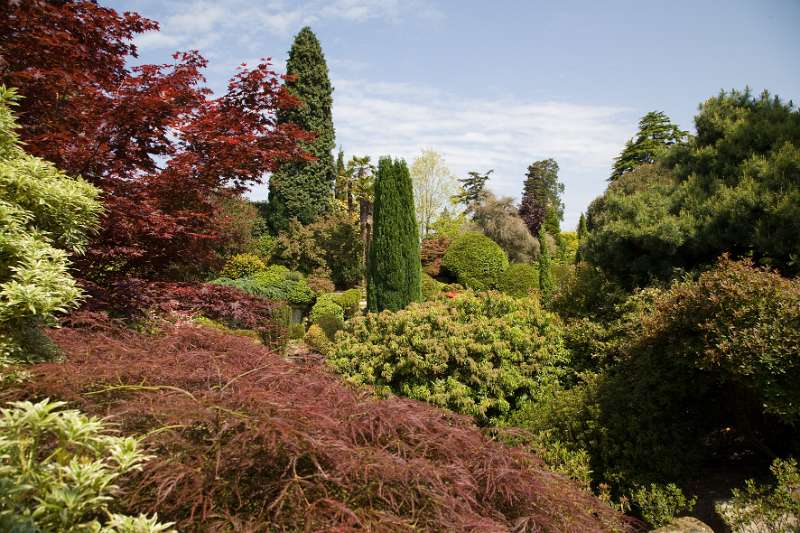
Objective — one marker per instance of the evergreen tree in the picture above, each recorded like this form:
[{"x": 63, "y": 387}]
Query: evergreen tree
[
  {"x": 342, "y": 179},
  {"x": 472, "y": 190},
  {"x": 656, "y": 132},
  {"x": 541, "y": 198},
  {"x": 583, "y": 232},
  {"x": 393, "y": 272},
  {"x": 302, "y": 189},
  {"x": 545, "y": 272}
]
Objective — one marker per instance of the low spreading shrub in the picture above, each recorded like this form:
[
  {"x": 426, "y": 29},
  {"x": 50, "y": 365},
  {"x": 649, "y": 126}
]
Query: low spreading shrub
[
  {"x": 241, "y": 266},
  {"x": 59, "y": 471},
  {"x": 519, "y": 280},
  {"x": 478, "y": 355},
  {"x": 274, "y": 283},
  {"x": 247, "y": 440},
  {"x": 328, "y": 315},
  {"x": 768, "y": 509},
  {"x": 475, "y": 261}
]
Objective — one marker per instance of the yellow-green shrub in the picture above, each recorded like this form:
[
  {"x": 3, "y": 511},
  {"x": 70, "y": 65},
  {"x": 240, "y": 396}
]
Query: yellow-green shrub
[
  {"x": 317, "y": 340},
  {"x": 328, "y": 315},
  {"x": 475, "y": 260},
  {"x": 241, "y": 266},
  {"x": 519, "y": 280}
]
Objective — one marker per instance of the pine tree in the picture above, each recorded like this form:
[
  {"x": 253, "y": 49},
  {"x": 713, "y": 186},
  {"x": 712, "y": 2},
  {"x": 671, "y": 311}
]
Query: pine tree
[
  {"x": 393, "y": 272},
  {"x": 656, "y": 132},
  {"x": 583, "y": 233},
  {"x": 541, "y": 197},
  {"x": 545, "y": 271},
  {"x": 472, "y": 190},
  {"x": 303, "y": 189}
]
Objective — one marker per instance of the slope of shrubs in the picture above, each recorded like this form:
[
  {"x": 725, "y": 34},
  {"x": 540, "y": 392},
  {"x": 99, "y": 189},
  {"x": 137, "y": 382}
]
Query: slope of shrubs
[
  {"x": 247, "y": 441},
  {"x": 476, "y": 354}
]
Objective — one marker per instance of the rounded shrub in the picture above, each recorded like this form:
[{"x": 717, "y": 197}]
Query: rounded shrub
[
  {"x": 317, "y": 340},
  {"x": 475, "y": 260},
  {"x": 350, "y": 300},
  {"x": 242, "y": 266},
  {"x": 328, "y": 315},
  {"x": 519, "y": 280},
  {"x": 299, "y": 293},
  {"x": 479, "y": 355}
]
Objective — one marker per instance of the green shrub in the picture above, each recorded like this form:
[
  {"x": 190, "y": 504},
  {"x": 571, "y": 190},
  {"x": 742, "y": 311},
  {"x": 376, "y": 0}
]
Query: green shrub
[
  {"x": 480, "y": 355},
  {"x": 659, "y": 504},
  {"x": 44, "y": 215},
  {"x": 328, "y": 315},
  {"x": 242, "y": 266},
  {"x": 519, "y": 280},
  {"x": 299, "y": 293},
  {"x": 475, "y": 260},
  {"x": 58, "y": 470},
  {"x": 350, "y": 300},
  {"x": 275, "y": 283},
  {"x": 431, "y": 288},
  {"x": 774, "y": 509},
  {"x": 263, "y": 246},
  {"x": 317, "y": 340}
]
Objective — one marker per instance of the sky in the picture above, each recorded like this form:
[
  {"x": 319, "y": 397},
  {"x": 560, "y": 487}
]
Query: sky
[{"x": 499, "y": 85}]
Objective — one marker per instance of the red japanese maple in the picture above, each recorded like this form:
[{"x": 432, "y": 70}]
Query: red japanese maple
[{"x": 151, "y": 136}]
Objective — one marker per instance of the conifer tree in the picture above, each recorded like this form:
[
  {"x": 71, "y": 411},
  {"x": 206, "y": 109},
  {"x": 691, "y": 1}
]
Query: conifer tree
[
  {"x": 545, "y": 271},
  {"x": 393, "y": 272},
  {"x": 541, "y": 197},
  {"x": 582, "y": 233},
  {"x": 656, "y": 132},
  {"x": 473, "y": 190},
  {"x": 342, "y": 178},
  {"x": 303, "y": 189}
]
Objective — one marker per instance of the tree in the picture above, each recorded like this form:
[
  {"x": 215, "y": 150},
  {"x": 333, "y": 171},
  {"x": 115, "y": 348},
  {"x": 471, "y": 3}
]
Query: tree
[
  {"x": 656, "y": 133},
  {"x": 44, "y": 216},
  {"x": 545, "y": 270},
  {"x": 434, "y": 185},
  {"x": 150, "y": 137},
  {"x": 361, "y": 187},
  {"x": 302, "y": 189},
  {"x": 498, "y": 219},
  {"x": 393, "y": 271},
  {"x": 582, "y": 234},
  {"x": 472, "y": 189},
  {"x": 342, "y": 178},
  {"x": 541, "y": 197}
]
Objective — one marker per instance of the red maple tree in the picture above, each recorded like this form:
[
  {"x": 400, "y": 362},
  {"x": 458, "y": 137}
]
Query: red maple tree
[{"x": 150, "y": 136}]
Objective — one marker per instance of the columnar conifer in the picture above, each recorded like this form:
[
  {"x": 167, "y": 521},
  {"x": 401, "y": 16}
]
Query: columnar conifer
[
  {"x": 545, "y": 272},
  {"x": 393, "y": 275}
]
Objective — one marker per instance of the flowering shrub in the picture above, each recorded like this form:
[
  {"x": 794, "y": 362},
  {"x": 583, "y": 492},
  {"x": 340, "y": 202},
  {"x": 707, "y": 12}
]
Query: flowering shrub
[
  {"x": 58, "y": 470},
  {"x": 248, "y": 440},
  {"x": 476, "y": 354}
]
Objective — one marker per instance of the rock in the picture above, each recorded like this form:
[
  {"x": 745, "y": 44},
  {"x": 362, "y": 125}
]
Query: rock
[{"x": 685, "y": 524}]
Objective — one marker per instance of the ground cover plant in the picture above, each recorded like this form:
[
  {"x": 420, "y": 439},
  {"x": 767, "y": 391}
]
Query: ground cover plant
[{"x": 246, "y": 440}]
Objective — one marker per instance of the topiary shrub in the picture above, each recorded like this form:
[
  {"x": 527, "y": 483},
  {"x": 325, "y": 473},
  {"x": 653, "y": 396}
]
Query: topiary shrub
[
  {"x": 519, "y": 280},
  {"x": 317, "y": 340},
  {"x": 476, "y": 354},
  {"x": 328, "y": 315},
  {"x": 241, "y": 266},
  {"x": 475, "y": 261},
  {"x": 350, "y": 300},
  {"x": 58, "y": 470}
]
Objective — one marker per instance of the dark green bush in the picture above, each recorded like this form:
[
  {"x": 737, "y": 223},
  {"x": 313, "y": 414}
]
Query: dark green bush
[
  {"x": 431, "y": 288},
  {"x": 480, "y": 355},
  {"x": 241, "y": 266},
  {"x": 476, "y": 261},
  {"x": 519, "y": 280}
]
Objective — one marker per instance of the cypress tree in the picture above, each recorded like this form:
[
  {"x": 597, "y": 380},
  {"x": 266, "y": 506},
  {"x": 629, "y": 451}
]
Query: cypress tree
[
  {"x": 303, "y": 189},
  {"x": 393, "y": 272},
  {"x": 340, "y": 192},
  {"x": 541, "y": 197},
  {"x": 583, "y": 232},
  {"x": 545, "y": 272}
]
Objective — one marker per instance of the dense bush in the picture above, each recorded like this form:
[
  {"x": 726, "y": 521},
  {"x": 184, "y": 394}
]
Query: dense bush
[
  {"x": 519, "y": 280},
  {"x": 242, "y": 266},
  {"x": 658, "y": 504},
  {"x": 247, "y": 439},
  {"x": 431, "y": 252},
  {"x": 59, "y": 469},
  {"x": 328, "y": 315},
  {"x": 431, "y": 288},
  {"x": 274, "y": 283},
  {"x": 44, "y": 215},
  {"x": 343, "y": 249},
  {"x": 320, "y": 281},
  {"x": 316, "y": 339},
  {"x": 479, "y": 355},
  {"x": 298, "y": 248},
  {"x": 475, "y": 261},
  {"x": 732, "y": 188},
  {"x": 350, "y": 300}
]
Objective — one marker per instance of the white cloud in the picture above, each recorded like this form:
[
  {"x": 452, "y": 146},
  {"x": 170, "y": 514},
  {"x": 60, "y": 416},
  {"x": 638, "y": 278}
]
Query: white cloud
[{"x": 484, "y": 133}]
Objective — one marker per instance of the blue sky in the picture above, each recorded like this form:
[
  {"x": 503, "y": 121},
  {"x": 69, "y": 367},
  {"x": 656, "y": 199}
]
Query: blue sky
[{"x": 500, "y": 84}]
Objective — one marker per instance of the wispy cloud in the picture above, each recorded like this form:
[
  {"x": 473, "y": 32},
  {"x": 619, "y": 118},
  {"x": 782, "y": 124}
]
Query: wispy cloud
[{"x": 484, "y": 133}]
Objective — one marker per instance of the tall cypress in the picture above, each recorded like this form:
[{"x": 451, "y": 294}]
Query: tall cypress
[
  {"x": 303, "y": 189},
  {"x": 393, "y": 274},
  {"x": 583, "y": 233},
  {"x": 545, "y": 271},
  {"x": 340, "y": 192}
]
